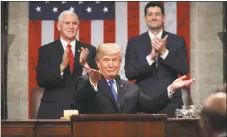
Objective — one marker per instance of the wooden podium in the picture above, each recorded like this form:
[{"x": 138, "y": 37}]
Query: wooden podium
[
  {"x": 119, "y": 125},
  {"x": 102, "y": 126}
]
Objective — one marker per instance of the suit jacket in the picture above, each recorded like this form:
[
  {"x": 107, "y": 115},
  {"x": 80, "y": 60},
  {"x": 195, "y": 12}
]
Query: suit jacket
[
  {"x": 130, "y": 99},
  {"x": 58, "y": 90},
  {"x": 149, "y": 77}
]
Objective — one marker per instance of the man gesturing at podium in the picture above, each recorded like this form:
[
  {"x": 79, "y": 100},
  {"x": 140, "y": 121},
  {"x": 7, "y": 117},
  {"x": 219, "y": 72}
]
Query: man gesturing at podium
[{"x": 103, "y": 92}]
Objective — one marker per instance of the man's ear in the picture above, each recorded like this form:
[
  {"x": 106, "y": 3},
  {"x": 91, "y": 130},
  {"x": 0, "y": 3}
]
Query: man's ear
[{"x": 58, "y": 26}]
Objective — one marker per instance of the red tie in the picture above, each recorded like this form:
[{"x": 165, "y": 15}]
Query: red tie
[{"x": 71, "y": 58}]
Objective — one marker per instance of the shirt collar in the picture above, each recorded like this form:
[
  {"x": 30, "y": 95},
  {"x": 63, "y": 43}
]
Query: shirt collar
[
  {"x": 159, "y": 35},
  {"x": 109, "y": 80},
  {"x": 64, "y": 43}
]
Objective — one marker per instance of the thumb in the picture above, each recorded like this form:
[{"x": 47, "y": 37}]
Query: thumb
[{"x": 183, "y": 77}]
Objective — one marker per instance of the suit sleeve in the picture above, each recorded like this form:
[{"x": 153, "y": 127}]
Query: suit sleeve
[
  {"x": 84, "y": 92},
  {"x": 133, "y": 67},
  {"x": 177, "y": 59},
  {"x": 47, "y": 75},
  {"x": 153, "y": 104}
]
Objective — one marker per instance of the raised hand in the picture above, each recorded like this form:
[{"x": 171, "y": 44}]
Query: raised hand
[
  {"x": 65, "y": 60},
  {"x": 160, "y": 45},
  {"x": 180, "y": 83},
  {"x": 153, "y": 54},
  {"x": 95, "y": 76},
  {"x": 83, "y": 56}
]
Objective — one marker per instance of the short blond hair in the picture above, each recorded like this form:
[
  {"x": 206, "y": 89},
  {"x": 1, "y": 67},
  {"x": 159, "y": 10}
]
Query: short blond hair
[{"x": 108, "y": 48}]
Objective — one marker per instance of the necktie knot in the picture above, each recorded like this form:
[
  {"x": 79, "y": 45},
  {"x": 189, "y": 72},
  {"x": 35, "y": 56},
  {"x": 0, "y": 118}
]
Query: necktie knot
[
  {"x": 68, "y": 46},
  {"x": 111, "y": 82}
]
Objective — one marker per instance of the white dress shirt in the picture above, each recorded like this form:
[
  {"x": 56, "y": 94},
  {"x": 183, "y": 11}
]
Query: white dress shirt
[
  {"x": 95, "y": 87},
  {"x": 72, "y": 43},
  {"x": 64, "y": 44},
  {"x": 152, "y": 36}
]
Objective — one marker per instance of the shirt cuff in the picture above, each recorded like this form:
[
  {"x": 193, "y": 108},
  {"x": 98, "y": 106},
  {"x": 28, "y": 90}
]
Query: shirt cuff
[
  {"x": 165, "y": 54},
  {"x": 84, "y": 72},
  {"x": 149, "y": 60},
  {"x": 95, "y": 87},
  {"x": 170, "y": 94},
  {"x": 62, "y": 73}
]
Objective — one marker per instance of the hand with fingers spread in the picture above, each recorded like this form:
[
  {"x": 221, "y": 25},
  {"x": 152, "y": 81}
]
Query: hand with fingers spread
[
  {"x": 160, "y": 45},
  {"x": 83, "y": 56},
  {"x": 180, "y": 83},
  {"x": 95, "y": 76},
  {"x": 65, "y": 61}
]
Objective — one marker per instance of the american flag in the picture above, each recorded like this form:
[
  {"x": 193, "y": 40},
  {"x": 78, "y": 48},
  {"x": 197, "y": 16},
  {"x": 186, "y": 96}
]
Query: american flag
[{"x": 99, "y": 22}]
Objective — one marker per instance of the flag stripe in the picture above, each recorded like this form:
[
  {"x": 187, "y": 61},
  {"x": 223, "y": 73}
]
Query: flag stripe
[
  {"x": 183, "y": 24},
  {"x": 56, "y": 31},
  {"x": 171, "y": 17},
  {"x": 109, "y": 31},
  {"x": 133, "y": 19},
  {"x": 121, "y": 30},
  {"x": 121, "y": 23},
  {"x": 47, "y": 32},
  {"x": 85, "y": 31},
  {"x": 96, "y": 36},
  {"x": 34, "y": 42},
  {"x": 143, "y": 26}
]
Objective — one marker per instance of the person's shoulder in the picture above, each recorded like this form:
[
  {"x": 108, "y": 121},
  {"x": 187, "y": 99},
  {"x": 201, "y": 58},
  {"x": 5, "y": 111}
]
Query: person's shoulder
[
  {"x": 139, "y": 37},
  {"x": 172, "y": 35},
  {"x": 85, "y": 45},
  {"x": 129, "y": 84},
  {"x": 49, "y": 45}
]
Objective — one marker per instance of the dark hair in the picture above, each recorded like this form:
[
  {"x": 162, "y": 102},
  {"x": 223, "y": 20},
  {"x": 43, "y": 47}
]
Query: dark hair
[
  {"x": 213, "y": 120},
  {"x": 153, "y": 4}
]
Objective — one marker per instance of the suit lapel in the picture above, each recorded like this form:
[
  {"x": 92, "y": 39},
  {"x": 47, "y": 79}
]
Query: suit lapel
[
  {"x": 121, "y": 93},
  {"x": 77, "y": 52},
  {"x": 58, "y": 51},
  {"x": 164, "y": 33},
  {"x": 104, "y": 88},
  {"x": 147, "y": 42}
]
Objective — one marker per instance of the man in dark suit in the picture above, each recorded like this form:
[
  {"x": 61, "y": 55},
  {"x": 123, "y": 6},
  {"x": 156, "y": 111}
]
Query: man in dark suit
[
  {"x": 59, "y": 64},
  {"x": 213, "y": 115},
  {"x": 155, "y": 58},
  {"x": 103, "y": 92}
]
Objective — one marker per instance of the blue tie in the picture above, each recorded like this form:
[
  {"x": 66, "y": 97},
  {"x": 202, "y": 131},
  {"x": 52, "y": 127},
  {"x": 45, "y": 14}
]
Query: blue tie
[
  {"x": 111, "y": 82},
  {"x": 156, "y": 61}
]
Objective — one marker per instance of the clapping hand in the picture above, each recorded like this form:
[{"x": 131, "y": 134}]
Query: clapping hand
[{"x": 180, "y": 83}]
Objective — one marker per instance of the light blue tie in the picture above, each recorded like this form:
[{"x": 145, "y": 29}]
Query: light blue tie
[{"x": 111, "y": 82}]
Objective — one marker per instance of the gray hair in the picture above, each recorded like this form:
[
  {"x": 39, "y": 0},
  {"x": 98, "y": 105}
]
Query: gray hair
[{"x": 66, "y": 12}]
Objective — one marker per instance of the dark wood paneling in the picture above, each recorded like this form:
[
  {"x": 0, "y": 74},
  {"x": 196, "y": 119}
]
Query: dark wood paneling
[{"x": 94, "y": 128}]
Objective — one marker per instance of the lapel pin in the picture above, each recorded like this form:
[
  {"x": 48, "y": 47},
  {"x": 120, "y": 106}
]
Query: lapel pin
[{"x": 121, "y": 85}]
